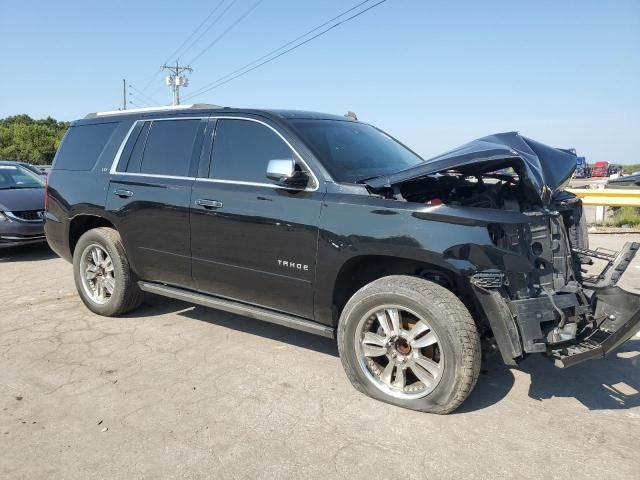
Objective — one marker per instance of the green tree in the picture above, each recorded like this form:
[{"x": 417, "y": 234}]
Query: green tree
[{"x": 29, "y": 140}]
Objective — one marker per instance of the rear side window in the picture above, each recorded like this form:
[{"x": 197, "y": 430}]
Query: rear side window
[
  {"x": 135, "y": 160},
  {"x": 242, "y": 149},
  {"x": 170, "y": 147},
  {"x": 83, "y": 145}
]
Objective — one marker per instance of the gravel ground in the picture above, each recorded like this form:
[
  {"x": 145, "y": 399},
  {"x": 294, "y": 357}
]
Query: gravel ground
[{"x": 176, "y": 391}]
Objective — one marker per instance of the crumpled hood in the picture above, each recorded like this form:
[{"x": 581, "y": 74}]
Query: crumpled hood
[
  {"x": 20, "y": 199},
  {"x": 544, "y": 170}
]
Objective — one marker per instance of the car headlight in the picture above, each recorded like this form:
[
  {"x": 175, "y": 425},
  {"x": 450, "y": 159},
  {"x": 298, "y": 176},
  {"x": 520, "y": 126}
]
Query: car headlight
[{"x": 3, "y": 217}]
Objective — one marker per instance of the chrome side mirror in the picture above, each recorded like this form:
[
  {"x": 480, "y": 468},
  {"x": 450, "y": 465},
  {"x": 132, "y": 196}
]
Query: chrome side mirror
[{"x": 287, "y": 173}]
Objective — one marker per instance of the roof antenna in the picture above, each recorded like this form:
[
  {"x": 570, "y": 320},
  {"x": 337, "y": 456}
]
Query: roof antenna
[{"x": 351, "y": 116}]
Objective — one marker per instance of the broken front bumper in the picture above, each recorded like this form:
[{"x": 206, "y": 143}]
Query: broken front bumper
[
  {"x": 613, "y": 313},
  {"x": 621, "y": 312},
  {"x": 617, "y": 311}
]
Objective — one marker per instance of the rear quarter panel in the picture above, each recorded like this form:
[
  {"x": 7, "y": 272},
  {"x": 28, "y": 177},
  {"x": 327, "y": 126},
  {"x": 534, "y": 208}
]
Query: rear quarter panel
[{"x": 77, "y": 192}]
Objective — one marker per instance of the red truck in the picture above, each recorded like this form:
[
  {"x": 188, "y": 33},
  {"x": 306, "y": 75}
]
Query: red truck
[{"x": 600, "y": 169}]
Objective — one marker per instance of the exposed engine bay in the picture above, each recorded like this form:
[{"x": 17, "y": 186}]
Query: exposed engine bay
[{"x": 491, "y": 190}]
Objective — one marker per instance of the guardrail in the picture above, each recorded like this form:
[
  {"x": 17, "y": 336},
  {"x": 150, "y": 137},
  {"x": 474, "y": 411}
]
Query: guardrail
[{"x": 608, "y": 197}]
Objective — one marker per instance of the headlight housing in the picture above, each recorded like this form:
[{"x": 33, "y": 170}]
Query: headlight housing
[{"x": 3, "y": 217}]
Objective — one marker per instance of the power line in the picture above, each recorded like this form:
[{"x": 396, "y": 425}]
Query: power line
[
  {"x": 147, "y": 98},
  {"x": 186, "y": 45},
  {"x": 137, "y": 105},
  {"x": 143, "y": 95},
  {"x": 219, "y": 83},
  {"x": 281, "y": 47},
  {"x": 158, "y": 72},
  {"x": 194, "y": 32},
  {"x": 227, "y": 30},
  {"x": 211, "y": 25},
  {"x": 137, "y": 99},
  {"x": 148, "y": 84}
]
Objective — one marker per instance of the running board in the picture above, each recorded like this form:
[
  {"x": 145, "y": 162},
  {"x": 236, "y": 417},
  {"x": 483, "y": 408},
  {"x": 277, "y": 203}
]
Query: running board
[{"x": 238, "y": 308}]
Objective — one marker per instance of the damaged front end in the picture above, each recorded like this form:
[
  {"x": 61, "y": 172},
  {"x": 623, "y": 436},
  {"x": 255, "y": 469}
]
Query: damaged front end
[
  {"x": 544, "y": 291},
  {"x": 571, "y": 318}
]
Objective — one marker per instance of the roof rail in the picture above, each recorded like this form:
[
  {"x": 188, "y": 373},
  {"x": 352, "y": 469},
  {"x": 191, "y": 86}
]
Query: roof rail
[{"x": 195, "y": 106}]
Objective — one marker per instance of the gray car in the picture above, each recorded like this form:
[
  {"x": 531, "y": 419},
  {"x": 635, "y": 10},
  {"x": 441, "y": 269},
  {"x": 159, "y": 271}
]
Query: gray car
[
  {"x": 37, "y": 169},
  {"x": 21, "y": 205}
]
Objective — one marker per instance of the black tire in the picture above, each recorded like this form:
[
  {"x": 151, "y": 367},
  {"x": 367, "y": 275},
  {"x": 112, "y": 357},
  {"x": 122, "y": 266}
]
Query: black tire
[
  {"x": 126, "y": 295},
  {"x": 449, "y": 319}
]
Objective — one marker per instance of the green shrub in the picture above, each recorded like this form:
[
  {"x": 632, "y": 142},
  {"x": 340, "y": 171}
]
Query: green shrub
[{"x": 625, "y": 216}]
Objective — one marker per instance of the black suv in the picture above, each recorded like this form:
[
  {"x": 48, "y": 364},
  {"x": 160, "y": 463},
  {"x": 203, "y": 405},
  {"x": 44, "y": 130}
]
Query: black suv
[{"x": 330, "y": 226}]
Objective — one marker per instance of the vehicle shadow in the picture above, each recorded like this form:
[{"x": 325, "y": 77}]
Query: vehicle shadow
[
  {"x": 495, "y": 382},
  {"x": 607, "y": 384},
  {"x": 26, "y": 253},
  {"x": 268, "y": 330},
  {"x": 154, "y": 305},
  {"x": 612, "y": 383},
  {"x": 157, "y": 305}
]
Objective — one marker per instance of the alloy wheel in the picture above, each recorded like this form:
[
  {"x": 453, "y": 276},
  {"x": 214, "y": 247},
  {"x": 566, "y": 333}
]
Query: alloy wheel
[
  {"x": 97, "y": 274},
  {"x": 399, "y": 352}
]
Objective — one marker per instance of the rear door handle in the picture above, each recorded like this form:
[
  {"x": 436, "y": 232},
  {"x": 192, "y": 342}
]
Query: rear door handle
[
  {"x": 123, "y": 193},
  {"x": 208, "y": 204}
]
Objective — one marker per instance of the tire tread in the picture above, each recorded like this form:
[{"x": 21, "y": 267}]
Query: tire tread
[
  {"x": 461, "y": 325},
  {"x": 131, "y": 296}
]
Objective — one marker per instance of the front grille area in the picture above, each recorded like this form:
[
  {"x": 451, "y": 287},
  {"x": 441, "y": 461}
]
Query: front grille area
[{"x": 29, "y": 215}]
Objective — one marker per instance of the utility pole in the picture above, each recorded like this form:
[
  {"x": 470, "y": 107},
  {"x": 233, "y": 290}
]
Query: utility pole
[
  {"x": 176, "y": 79},
  {"x": 124, "y": 94}
]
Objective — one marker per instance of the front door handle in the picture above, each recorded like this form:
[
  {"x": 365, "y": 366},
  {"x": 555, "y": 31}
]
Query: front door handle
[
  {"x": 123, "y": 193},
  {"x": 208, "y": 204}
]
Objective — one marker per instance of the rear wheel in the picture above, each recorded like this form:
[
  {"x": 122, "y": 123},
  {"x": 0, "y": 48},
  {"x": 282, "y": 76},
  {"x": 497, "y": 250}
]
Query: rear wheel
[
  {"x": 410, "y": 342},
  {"x": 102, "y": 274}
]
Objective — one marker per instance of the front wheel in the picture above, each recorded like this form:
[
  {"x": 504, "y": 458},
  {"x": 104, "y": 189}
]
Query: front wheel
[
  {"x": 410, "y": 342},
  {"x": 102, "y": 274}
]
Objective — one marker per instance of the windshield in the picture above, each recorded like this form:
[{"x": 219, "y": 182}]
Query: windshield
[
  {"x": 353, "y": 152},
  {"x": 14, "y": 177}
]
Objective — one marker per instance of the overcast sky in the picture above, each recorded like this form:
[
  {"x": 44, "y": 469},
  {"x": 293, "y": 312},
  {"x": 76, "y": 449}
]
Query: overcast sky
[{"x": 433, "y": 74}]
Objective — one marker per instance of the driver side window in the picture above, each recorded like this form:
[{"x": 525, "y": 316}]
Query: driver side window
[{"x": 242, "y": 149}]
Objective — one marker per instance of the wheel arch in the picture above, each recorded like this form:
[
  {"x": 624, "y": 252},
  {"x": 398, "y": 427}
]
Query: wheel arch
[
  {"x": 81, "y": 224},
  {"x": 361, "y": 270}
]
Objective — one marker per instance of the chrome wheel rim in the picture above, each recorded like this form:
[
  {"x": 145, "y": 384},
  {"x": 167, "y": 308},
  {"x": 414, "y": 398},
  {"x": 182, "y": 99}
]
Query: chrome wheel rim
[
  {"x": 97, "y": 274},
  {"x": 399, "y": 352}
]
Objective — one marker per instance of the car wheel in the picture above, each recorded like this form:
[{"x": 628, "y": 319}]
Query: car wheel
[
  {"x": 410, "y": 342},
  {"x": 102, "y": 273}
]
